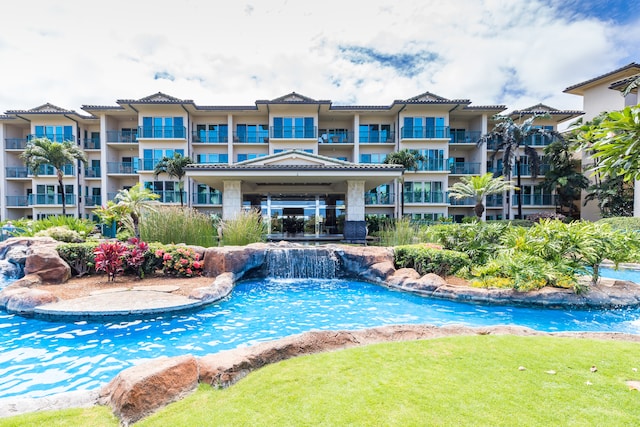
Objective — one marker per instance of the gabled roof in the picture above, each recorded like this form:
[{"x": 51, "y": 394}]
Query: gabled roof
[
  {"x": 294, "y": 157},
  {"x": 293, "y": 98},
  {"x": 622, "y": 84},
  {"x": 431, "y": 98},
  {"x": 559, "y": 115},
  {"x": 47, "y": 108},
  {"x": 612, "y": 76},
  {"x": 156, "y": 98}
]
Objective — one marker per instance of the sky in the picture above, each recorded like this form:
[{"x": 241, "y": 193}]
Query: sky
[{"x": 352, "y": 52}]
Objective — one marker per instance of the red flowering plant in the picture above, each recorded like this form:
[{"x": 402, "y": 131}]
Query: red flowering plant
[
  {"x": 109, "y": 257},
  {"x": 180, "y": 261},
  {"x": 135, "y": 255}
]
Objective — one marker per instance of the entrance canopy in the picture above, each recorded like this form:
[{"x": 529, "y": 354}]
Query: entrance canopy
[{"x": 294, "y": 172}]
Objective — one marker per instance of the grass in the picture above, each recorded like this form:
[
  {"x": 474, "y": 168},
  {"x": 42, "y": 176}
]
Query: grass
[
  {"x": 402, "y": 232},
  {"x": 470, "y": 381},
  {"x": 173, "y": 224},
  {"x": 245, "y": 228}
]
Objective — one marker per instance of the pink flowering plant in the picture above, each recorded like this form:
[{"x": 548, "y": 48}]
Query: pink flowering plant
[{"x": 180, "y": 261}]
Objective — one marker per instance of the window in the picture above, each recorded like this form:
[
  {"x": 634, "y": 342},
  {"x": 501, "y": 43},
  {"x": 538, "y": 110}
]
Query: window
[
  {"x": 55, "y": 133},
  {"x": 293, "y": 127},
  {"x": 211, "y": 133},
  {"x": 152, "y": 157},
  {"x": 249, "y": 156},
  {"x": 252, "y": 133},
  {"x": 375, "y": 133},
  {"x": 434, "y": 160},
  {"x": 163, "y": 127},
  {"x": 169, "y": 191},
  {"x": 424, "y": 127},
  {"x": 423, "y": 192},
  {"x": 207, "y": 196},
  {"x": 374, "y": 158},
  {"x": 212, "y": 158}
]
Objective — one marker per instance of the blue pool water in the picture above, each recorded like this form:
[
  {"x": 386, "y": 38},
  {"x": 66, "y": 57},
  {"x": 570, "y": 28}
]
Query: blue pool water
[{"x": 42, "y": 358}]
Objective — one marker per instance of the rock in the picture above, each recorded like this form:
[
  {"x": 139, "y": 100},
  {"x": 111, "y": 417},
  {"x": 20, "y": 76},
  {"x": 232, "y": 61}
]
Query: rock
[
  {"x": 140, "y": 390},
  {"x": 45, "y": 262},
  {"x": 27, "y": 281},
  {"x": 356, "y": 260},
  {"x": 17, "y": 254},
  {"x": 238, "y": 260},
  {"x": 221, "y": 287},
  {"x": 379, "y": 272},
  {"x": 24, "y": 300}
]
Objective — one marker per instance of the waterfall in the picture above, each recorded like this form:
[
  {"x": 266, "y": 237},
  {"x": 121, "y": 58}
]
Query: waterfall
[{"x": 295, "y": 263}]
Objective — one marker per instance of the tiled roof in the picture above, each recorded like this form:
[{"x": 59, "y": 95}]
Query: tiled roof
[
  {"x": 47, "y": 108},
  {"x": 347, "y": 166},
  {"x": 292, "y": 98},
  {"x": 485, "y": 107},
  {"x": 156, "y": 98},
  {"x": 225, "y": 107},
  {"x": 586, "y": 82},
  {"x": 622, "y": 84}
]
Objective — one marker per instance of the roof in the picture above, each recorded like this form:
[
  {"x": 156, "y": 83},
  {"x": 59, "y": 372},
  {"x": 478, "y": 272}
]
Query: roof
[
  {"x": 49, "y": 108},
  {"x": 629, "y": 69},
  {"x": 622, "y": 84},
  {"x": 542, "y": 109},
  {"x": 156, "y": 98}
]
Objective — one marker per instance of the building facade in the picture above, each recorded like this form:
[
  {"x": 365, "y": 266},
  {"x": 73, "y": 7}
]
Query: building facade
[{"x": 308, "y": 165}]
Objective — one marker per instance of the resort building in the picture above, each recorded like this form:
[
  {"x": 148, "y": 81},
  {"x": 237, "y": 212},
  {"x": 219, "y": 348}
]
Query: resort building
[
  {"x": 308, "y": 165},
  {"x": 600, "y": 94}
]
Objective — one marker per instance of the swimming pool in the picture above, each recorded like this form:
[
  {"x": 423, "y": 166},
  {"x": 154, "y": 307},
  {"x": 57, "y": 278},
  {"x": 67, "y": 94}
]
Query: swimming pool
[{"x": 42, "y": 358}]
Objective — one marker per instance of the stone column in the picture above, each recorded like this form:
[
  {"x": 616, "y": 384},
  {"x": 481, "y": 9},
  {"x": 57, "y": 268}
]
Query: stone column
[
  {"x": 355, "y": 227},
  {"x": 231, "y": 199}
]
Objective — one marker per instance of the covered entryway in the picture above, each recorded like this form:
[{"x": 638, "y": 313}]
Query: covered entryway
[{"x": 298, "y": 193}]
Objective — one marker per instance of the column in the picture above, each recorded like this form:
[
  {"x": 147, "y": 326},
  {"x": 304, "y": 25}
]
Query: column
[
  {"x": 231, "y": 199},
  {"x": 355, "y": 227}
]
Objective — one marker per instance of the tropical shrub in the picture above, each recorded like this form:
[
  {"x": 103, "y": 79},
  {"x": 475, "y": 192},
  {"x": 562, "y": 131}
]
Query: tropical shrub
[
  {"x": 172, "y": 225},
  {"x": 61, "y": 234},
  {"x": 628, "y": 223},
  {"x": 83, "y": 227},
  {"x": 135, "y": 256},
  {"x": 180, "y": 261},
  {"x": 247, "y": 227},
  {"x": 425, "y": 259},
  {"x": 79, "y": 256},
  {"x": 537, "y": 217},
  {"x": 109, "y": 257},
  {"x": 400, "y": 232},
  {"x": 479, "y": 241}
]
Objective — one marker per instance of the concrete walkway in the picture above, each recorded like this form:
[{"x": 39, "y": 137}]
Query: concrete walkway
[{"x": 118, "y": 302}]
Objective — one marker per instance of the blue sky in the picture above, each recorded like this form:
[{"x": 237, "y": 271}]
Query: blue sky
[{"x": 362, "y": 52}]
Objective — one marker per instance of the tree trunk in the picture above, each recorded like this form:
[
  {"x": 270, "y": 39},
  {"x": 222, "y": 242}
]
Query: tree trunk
[
  {"x": 60, "y": 175},
  {"x": 479, "y": 209},
  {"x": 519, "y": 188}
]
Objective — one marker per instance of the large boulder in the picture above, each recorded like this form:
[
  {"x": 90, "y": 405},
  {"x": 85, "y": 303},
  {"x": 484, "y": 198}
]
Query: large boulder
[
  {"x": 355, "y": 261},
  {"x": 221, "y": 287},
  {"x": 234, "y": 259},
  {"x": 44, "y": 261},
  {"x": 21, "y": 300},
  {"x": 140, "y": 390}
]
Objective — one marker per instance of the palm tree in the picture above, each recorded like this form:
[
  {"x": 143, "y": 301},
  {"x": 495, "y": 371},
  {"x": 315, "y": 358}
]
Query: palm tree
[
  {"x": 43, "y": 151},
  {"x": 132, "y": 203},
  {"x": 410, "y": 160},
  {"x": 633, "y": 84},
  {"x": 510, "y": 136},
  {"x": 478, "y": 187},
  {"x": 174, "y": 167}
]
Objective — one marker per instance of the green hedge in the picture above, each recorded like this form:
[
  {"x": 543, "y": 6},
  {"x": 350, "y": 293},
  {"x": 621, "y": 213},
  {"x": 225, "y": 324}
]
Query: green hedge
[
  {"x": 425, "y": 259},
  {"x": 79, "y": 256}
]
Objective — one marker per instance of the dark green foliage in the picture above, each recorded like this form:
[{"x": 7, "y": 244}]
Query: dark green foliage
[
  {"x": 627, "y": 223},
  {"x": 479, "y": 240},
  {"x": 79, "y": 256},
  {"x": 425, "y": 260}
]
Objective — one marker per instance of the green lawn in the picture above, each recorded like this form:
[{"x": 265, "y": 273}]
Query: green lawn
[{"x": 449, "y": 381}]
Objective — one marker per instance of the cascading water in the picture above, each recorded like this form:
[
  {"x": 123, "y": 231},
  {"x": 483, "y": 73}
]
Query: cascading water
[{"x": 300, "y": 263}]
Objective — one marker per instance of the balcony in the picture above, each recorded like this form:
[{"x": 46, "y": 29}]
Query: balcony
[
  {"x": 294, "y": 132},
  {"x": 48, "y": 170},
  {"x": 122, "y": 168},
  {"x": 249, "y": 137},
  {"x": 55, "y": 137},
  {"x": 525, "y": 170},
  {"x": 494, "y": 201},
  {"x": 162, "y": 132},
  {"x": 378, "y": 199},
  {"x": 209, "y": 137},
  {"x": 465, "y": 168},
  {"x": 92, "y": 172},
  {"x": 15, "y": 143},
  {"x": 148, "y": 164},
  {"x": 422, "y": 132},
  {"x": 535, "y": 200},
  {"x": 431, "y": 165},
  {"x": 171, "y": 196},
  {"x": 467, "y": 201},
  {"x": 335, "y": 137},
  {"x": 91, "y": 201},
  {"x": 91, "y": 143},
  {"x": 538, "y": 140},
  {"x": 17, "y": 201},
  {"x": 122, "y": 137},
  {"x": 51, "y": 199},
  {"x": 461, "y": 136},
  {"x": 206, "y": 198},
  {"x": 424, "y": 197},
  {"x": 377, "y": 137},
  {"x": 16, "y": 171}
]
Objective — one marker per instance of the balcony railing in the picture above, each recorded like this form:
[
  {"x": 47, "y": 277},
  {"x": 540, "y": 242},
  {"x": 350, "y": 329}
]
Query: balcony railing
[
  {"x": 92, "y": 172},
  {"x": 206, "y": 198},
  {"x": 209, "y": 137},
  {"x": 461, "y": 136},
  {"x": 525, "y": 170},
  {"x": 432, "y": 165},
  {"x": 378, "y": 199},
  {"x": 465, "y": 168},
  {"x": 171, "y": 196},
  {"x": 93, "y": 200},
  {"x": 422, "y": 132},
  {"x": 424, "y": 197},
  {"x": 15, "y": 143},
  {"x": 17, "y": 201},
  {"x": 16, "y": 171},
  {"x": 48, "y": 170},
  {"x": 51, "y": 199},
  {"x": 149, "y": 164},
  {"x": 91, "y": 143},
  {"x": 251, "y": 137},
  {"x": 538, "y": 140},
  {"x": 336, "y": 137},
  {"x": 124, "y": 137},
  {"x": 535, "y": 200},
  {"x": 126, "y": 168},
  {"x": 377, "y": 137},
  {"x": 294, "y": 132},
  {"x": 164, "y": 132},
  {"x": 495, "y": 201},
  {"x": 467, "y": 201},
  {"x": 55, "y": 137}
]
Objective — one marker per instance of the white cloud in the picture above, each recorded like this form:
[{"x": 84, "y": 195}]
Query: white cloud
[{"x": 232, "y": 53}]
